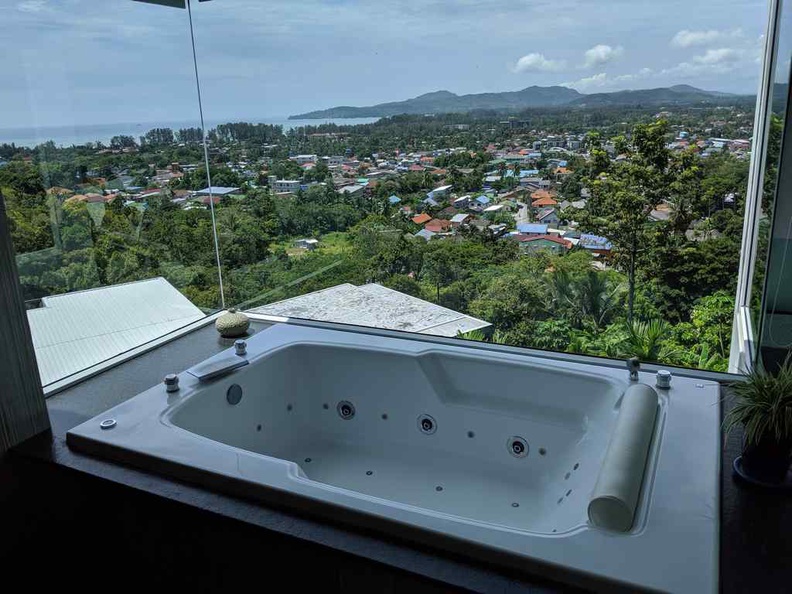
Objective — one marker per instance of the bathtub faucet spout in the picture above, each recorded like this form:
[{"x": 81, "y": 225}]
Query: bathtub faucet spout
[{"x": 633, "y": 365}]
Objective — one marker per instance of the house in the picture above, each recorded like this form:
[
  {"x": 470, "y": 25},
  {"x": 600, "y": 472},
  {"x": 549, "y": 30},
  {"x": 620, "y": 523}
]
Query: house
[
  {"x": 548, "y": 216},
  {"x": 497, "y": 230},
  {"x": 430, "y": 201},
  {"x": 462, "y": 202},
  {"x": 425, "y": 234},
  {"x": 536, "y": 243},
  {"x": 661, "y": 212},
  {"x": 542, "y": 194},
  {"x": 307, "y": 244},
  {"x": 447, "y": 213},
  {"x": 532, "y": 229},
  {"x": 440, "y": 192},
  {"x": 495, "y": 208},
  {"x": 394, "y": 199},
  {"x": 438, "y": 225},
  {"x": 543, "y": 202},
  {"x": 483, "y": 200},
  {"x": 458, "y": 220},
  {"x": 421, "y": 218},
  {"x": 595, "y": 243},
  {"x": 303, "y": 159},
  {"x": 352, "y": 190},
  {"x": 216, "y": 191},
  {"x": 280, "y": 186}
]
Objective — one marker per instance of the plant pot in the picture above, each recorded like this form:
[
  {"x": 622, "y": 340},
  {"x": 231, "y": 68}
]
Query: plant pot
[{"x": 768, "y": 460}]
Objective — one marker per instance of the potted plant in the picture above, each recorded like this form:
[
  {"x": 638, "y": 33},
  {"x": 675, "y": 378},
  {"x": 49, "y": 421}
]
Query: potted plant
[{"x": 763, "y": 406}]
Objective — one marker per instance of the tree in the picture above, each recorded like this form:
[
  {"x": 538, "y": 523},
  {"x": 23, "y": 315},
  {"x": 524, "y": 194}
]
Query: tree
[
  {"x": 122, "y": 142},
  {"x": 647, "y": 341},
  {"x": 624, "y": 193}
]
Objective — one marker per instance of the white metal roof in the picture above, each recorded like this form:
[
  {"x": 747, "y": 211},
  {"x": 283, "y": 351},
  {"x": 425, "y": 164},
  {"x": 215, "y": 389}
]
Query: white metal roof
[
  {"x": 375, "y": 306},
  {"x": 74, "y": 331}
]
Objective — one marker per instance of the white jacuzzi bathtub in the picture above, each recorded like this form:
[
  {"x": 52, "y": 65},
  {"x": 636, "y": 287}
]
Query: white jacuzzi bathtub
[{"x": 490, "y": 451}]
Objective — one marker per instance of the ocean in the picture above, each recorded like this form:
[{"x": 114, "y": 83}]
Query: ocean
[{"x": 69, "y": 135}]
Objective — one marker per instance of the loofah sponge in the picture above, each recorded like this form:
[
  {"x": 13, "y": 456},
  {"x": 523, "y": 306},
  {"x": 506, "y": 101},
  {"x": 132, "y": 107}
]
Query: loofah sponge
[{"x": 233, "y": 323}]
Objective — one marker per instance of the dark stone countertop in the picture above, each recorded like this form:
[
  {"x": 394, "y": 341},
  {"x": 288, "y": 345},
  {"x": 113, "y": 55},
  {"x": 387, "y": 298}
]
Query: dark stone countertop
[{"x": 756, "y": 526}]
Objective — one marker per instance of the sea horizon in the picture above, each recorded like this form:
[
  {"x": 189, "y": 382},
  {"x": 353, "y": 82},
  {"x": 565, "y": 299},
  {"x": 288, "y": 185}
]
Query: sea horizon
[{"x": 80, "y": 134}]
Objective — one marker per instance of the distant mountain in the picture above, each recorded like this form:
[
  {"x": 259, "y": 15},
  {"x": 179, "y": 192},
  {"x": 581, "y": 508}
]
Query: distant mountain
[
  {"x": 447, "y": 102},
  {"x": 676, "y": 95}
]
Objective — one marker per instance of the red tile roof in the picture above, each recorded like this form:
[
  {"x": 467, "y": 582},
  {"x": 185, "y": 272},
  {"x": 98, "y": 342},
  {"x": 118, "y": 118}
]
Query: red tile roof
[
  {"x": 421, "y": 218},
  {"x": 526, "y": 238},
  {"x": 437, "y": 225},
  {"x": 546, "y": 201}
]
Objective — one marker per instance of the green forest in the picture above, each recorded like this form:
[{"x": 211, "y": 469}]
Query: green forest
[{"x": 667, "y": 293}]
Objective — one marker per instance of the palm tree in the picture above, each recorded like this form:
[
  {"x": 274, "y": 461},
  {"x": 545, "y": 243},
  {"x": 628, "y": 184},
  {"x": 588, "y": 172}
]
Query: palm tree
[
  {"x": 598, "y": 297},
  {"x": 645, "y": 340}
]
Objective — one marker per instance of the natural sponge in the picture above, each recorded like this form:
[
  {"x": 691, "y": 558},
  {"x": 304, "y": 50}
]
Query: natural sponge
[{"x": 233, "y": 323}]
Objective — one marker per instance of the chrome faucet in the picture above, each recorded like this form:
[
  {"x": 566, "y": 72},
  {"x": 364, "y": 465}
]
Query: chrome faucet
[
  {"x": 633, "y": 365},
  {"x": 212, "y": 369}
]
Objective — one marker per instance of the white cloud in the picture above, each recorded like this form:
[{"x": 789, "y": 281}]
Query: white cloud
[
  {"x": 603, "y": 80},
  {"x": 601, "y": 54},
  {"x": 538, "y": 63},
  {"x": 714, "y": 61},
  {"x": 686, "y": 38},
  {"x": 589, "y": 82},
  {"x": 32, "y": 5},
  {"x": 642, "y": 73}
]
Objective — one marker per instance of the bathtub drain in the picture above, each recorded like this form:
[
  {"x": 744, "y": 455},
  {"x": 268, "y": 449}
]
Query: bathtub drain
[
  {"x": 346, "y": 410},
  {"x": 427, "y": 424},
  {"x": 517, "y": 446}
]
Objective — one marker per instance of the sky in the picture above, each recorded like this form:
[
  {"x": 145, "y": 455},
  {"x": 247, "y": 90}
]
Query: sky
[{"x": 78, "y": 62}]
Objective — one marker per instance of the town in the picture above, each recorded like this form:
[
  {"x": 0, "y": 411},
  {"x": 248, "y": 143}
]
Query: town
[{"x": 489, "y": 198}]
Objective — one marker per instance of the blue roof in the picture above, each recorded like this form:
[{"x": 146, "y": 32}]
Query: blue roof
[
  {"x": 534, "y": 155},
  {"x": 430, "y": 200},
  {"x": 394, "y": 199},
  {"x": 594, "y": 242},
  {"x": 528, "y": 172},
  {"x": 562, "y": 163},
  {"x": 509, "y": 173},
  {"x": 483, "y": 199},
  {"x": 532, "y": 228}
]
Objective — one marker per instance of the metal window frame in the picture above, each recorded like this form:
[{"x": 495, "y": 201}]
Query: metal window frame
[{"x": 743, "y": 351}]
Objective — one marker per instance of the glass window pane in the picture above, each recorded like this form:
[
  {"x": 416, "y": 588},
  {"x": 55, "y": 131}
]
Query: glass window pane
[
  {"x": 579, "y": 189},
  {"x": 100, "y": 155}
]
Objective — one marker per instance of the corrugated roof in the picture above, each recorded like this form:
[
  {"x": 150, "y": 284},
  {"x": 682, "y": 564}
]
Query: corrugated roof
[
  {"x": 375, "y": 306},
  {"x": 74, "y": 331}
]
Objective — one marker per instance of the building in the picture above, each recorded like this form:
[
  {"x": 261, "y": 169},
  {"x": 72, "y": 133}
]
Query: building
[
  {"x": 458, "y": 220},
  {"x": 595, "y": 243},
  {"x": 532, "y": 229},
  {"x": 425, "y": 234},
  {"x": 352, "y": 190},
  {"x": 438, "y": 225},
  {"x": 536, "y": 243},
  {"x": 303, "y": 159},
  {"x": 74, "y": 331},
  {"x": 548, "y": 216},
  {"x": 375, "y": 306},
  {"x": 462, "y": 202},
  {"x": 307, "y": 244},
  {"x": 280, "y": 186},
  {"x": 421, "y": 218},
  {"x": 440, "y": 192}
]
